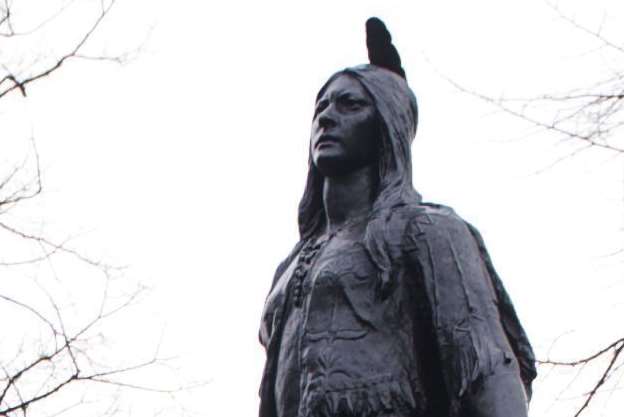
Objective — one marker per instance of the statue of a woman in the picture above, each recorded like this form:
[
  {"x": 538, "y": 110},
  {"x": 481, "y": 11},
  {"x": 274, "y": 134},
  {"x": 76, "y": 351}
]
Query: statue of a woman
[{"x": 387, "y": 306}]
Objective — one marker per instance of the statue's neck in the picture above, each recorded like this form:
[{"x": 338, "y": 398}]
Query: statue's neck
[{"x": 349, "y": 196}]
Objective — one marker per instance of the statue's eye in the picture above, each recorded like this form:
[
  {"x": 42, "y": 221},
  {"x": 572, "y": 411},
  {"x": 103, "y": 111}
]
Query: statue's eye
[
  {"x": 320, "y": 106},
  {"x": 351, "y": 103}
]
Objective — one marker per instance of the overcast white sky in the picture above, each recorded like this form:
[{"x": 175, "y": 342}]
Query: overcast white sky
[{"x": 188, "y": 163}]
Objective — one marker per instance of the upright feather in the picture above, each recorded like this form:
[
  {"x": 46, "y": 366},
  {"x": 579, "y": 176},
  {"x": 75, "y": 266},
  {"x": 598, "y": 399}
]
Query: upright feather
[{"x": 381, "y": 51}]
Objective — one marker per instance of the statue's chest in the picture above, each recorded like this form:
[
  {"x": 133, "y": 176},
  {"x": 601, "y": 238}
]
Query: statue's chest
[{"x": 338, "y": 292}]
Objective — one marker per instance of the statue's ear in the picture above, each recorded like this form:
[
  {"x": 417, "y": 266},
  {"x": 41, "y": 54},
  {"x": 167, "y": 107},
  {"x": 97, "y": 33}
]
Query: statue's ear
[{"x": 381, "y": 51}]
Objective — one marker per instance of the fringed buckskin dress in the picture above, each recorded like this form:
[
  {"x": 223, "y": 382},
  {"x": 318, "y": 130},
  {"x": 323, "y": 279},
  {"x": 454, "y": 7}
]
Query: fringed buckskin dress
[{"x": 399, "y": 314}]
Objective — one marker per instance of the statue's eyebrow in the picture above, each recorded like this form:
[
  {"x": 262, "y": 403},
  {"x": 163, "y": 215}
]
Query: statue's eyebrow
[
  {"x": 340, "y": 94},
  {"x": 352, "y": 95},
  {"x": 321, "y": 102},
  {"x": 346, "y": 93},
  {"x": 343, "y": 94}
]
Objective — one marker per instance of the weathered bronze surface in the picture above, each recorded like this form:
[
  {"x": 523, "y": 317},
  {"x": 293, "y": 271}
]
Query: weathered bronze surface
[{"x": 387, "y": 306}]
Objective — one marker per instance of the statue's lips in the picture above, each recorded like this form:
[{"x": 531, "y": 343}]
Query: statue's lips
[{"x": 326, "y": 140}]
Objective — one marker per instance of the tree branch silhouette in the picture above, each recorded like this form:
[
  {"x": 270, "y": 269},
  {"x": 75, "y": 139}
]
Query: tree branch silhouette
[{"x": 59, "y": 358}]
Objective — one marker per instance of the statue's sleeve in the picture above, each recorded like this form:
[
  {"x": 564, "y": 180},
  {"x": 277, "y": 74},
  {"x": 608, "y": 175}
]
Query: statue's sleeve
[
  {"x": 466, "y": 317},
  {"x": 269, "y": 335},
  {"x": 511, "y": 324},
  {"x": 266, "y": 328}
]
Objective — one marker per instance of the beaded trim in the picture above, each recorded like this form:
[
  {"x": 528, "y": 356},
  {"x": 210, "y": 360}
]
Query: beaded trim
[
  {"x": 306, "y": 258},
  {"x": 308, "y": 255}
]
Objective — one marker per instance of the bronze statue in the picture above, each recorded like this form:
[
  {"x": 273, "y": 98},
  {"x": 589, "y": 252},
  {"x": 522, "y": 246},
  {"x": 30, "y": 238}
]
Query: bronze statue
[{"x": 387, "y": 306}]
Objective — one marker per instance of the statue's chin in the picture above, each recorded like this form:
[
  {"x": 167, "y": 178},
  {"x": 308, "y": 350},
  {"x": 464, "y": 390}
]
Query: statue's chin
[
  {"x": 337, "y": 167},
  {"x": 332, "y": 166}
]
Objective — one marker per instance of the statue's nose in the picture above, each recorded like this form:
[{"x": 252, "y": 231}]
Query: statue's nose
[{"x": 327, "y": 119}]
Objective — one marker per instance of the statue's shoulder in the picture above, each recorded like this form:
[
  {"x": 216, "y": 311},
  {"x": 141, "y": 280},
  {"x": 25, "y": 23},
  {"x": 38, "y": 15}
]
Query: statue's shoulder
[
  {"x": 431, "y": 214},
  {"x": 434, "y": 225},
  {"x": 282, "y": 266}
]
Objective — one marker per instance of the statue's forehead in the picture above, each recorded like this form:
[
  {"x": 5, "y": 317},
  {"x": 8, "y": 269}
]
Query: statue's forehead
[{"x": 342, "y": 83}]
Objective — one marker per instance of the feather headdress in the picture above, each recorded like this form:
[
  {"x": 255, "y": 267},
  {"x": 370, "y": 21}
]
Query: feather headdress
[{"x": 381, "y": 51}]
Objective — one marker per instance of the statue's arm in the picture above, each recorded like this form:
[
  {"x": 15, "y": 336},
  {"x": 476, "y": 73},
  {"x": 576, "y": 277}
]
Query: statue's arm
[
  {"x": 498, "y": 395},
  {"x": 511, "y": 324},
  {"x": 478, "y": 365}
]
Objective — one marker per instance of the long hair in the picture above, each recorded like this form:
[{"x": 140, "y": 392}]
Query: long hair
[{"x": 398, "y": 117}]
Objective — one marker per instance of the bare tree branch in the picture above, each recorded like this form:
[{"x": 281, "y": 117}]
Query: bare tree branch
[
  {"x": 71, "y": 357},
  {"x": 12, "y": 33},
  {"x": 596, "y": 34},
  {"x": 592, "y": 138},
  {"x": 25, "y": 191},
  {"x": 588, "y": 116},
  {"x": 615, "y": 348},
  {"x": 32, "y": 310},
  {"x": 73, "y": 53}
]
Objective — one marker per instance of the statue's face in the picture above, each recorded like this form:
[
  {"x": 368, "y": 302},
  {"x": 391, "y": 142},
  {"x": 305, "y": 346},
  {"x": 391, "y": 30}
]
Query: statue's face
[{"x": 345, "y": 128}]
